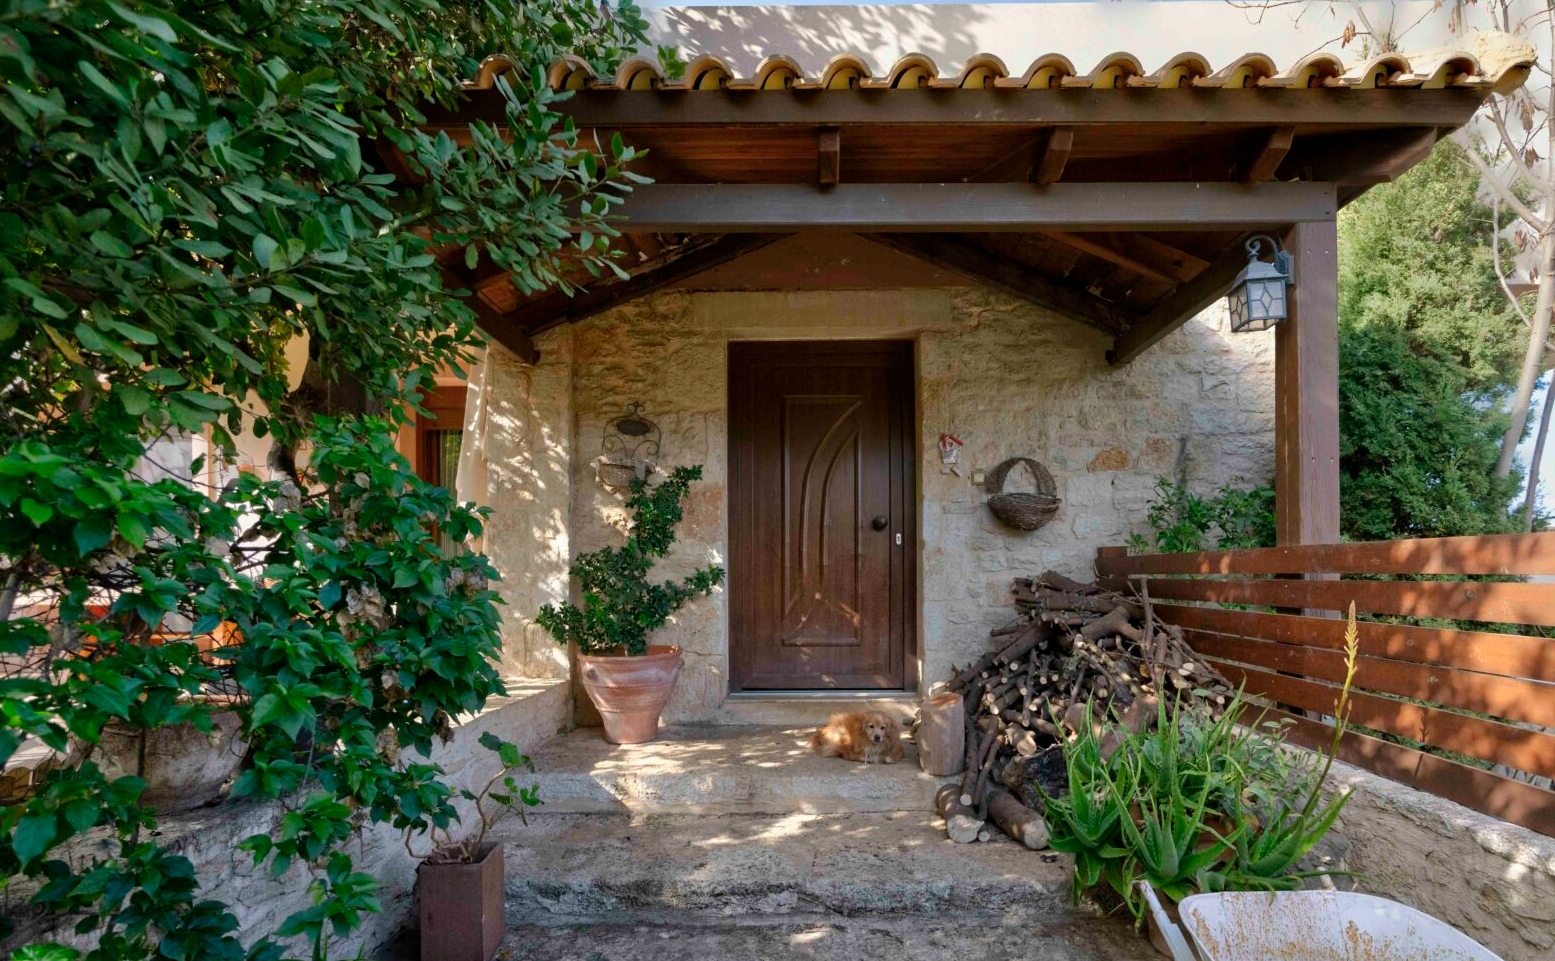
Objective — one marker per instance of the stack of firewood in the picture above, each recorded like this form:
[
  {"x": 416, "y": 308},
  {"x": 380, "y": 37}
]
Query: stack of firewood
[{"x": 1074, "y": 651}]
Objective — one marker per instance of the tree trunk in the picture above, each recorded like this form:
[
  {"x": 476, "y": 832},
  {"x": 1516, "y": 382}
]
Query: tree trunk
[
  {"x": 1533, "y": 360},
  {"x": 1532, "y": 494}
]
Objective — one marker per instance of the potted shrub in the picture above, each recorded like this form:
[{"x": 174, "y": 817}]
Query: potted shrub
[
  {"x": 628, "y": 679},
  {"x": 460, "y": 884}
]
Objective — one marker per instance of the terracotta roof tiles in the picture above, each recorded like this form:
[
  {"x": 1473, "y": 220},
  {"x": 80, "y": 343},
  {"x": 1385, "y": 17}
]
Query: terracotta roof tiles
[{"x": 1052, "y": 71}]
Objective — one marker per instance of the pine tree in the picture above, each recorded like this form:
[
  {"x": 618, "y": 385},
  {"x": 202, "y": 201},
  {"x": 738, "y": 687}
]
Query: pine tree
[{"x": 1428, "y": 351}]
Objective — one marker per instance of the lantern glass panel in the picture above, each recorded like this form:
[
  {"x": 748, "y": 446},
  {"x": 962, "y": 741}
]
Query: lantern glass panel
[{"x": 1258, "y": 301}]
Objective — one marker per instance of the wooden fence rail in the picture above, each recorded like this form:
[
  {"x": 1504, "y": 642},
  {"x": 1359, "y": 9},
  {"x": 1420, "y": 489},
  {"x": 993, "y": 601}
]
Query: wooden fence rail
[{"x": 1440, "y": 704}]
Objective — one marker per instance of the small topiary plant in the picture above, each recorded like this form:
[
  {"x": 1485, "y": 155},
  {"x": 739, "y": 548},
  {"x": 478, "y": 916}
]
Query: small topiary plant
[{"x": 620, "y": 606}]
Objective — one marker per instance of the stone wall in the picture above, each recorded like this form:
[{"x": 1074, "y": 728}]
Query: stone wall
[
  {"x": 532, "y": 713},
  {"x": 1006, "y": 377},
  {"x": 1491, "y": 880},
  {"x": 528, "y": 447}
]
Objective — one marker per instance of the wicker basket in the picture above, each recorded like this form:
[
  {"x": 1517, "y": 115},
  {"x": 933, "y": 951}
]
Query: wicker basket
[
  {"x": 617, "y": 477},
  {"x": 1024, "y": 511}
]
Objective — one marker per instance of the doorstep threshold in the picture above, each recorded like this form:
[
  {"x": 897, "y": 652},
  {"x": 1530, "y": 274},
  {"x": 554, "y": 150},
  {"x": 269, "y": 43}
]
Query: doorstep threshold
[{"x": 826, "y": 695}]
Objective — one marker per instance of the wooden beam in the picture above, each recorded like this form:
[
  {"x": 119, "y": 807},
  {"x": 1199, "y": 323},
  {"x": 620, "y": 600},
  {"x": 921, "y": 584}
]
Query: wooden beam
[
  {"x": 554, "y": 310},
  {"x": 497, "y": 327},
  {"x": 1350, "y": 162},
  {"x": 987, "y": 267},
  {"x": 1276, "y": 144},
  {"x": 1100, "y": 245},
  {"x": 1179, "y": 263},
  {"x": 829, "y": 160},
  {"x": 973, "y": 208},
  {"x": 1053, "y": 155},
  {"x": 1306, "y": 393},
  {"x": 1180, "y": 306},
  {"x": 457, "y": 279},
  {"x": 1260, "y": 107}
]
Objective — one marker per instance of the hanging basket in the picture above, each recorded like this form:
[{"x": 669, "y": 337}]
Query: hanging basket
[
  {"x": 1023, "y": 511},
  {"x": 617, "y": 477}
]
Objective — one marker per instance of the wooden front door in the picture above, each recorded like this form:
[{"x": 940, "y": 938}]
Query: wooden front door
[{"x": 821, "y": 527}]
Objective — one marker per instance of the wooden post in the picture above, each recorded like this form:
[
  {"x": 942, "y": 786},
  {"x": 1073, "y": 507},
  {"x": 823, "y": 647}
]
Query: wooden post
[{"x": 1306, "y": 392}]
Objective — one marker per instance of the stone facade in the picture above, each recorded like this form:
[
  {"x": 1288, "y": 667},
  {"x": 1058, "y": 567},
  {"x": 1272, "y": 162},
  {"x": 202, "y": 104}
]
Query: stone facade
[
  {"x": 1005, "y": 376},
  {"x": 528, "y": 447}
]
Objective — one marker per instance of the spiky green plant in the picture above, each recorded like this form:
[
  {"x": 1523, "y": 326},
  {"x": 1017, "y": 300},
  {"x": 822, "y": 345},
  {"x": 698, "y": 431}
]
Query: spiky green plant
[{"x": 1197, "y": 803}]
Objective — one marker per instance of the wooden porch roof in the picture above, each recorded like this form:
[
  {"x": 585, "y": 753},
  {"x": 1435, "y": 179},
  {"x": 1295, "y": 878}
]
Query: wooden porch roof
[{"x": 1118, "y": 197}]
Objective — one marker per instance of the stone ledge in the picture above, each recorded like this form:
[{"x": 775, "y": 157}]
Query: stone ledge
[
  {"x": 533, "y": 711},
  {"x": 1492, "y": 880},
  {"x": 593, "y": 868},
  {"x": 723, "y": 769}
]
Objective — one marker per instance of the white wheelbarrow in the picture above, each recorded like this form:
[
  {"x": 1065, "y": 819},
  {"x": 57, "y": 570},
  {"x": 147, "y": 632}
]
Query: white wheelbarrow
[{"x": 1308, "y": 926}]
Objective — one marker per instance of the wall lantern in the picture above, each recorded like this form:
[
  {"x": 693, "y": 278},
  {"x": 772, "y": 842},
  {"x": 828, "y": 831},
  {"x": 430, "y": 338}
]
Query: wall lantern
[{"x": 1258, "y": 299}]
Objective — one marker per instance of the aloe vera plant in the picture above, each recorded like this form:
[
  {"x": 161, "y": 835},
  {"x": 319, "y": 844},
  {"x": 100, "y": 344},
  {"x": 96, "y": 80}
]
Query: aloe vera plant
[{"x": 1198, "y": 803}]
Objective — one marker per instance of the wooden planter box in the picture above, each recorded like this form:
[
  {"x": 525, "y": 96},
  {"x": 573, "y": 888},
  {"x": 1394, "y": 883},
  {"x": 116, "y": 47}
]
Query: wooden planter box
[{"x": 462, "y": 916}]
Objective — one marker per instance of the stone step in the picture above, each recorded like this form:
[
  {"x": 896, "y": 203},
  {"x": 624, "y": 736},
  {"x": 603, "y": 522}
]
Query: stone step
[
  {"x": 626, "y": 868},
  {"x": 798, "y": 709},
  {"x": 722, "y": 769},
  {"x": 970, "y": 937}
]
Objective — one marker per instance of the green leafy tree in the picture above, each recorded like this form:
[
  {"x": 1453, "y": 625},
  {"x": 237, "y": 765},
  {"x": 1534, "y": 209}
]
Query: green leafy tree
[
  {"x": 185, "y": 190},
  {"x": 1428, "y": 350},
  {"x": 621, "y": 606}
]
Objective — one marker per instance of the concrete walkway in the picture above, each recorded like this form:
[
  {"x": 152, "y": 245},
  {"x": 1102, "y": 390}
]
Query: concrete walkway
[{"x": 736, "y": 842}]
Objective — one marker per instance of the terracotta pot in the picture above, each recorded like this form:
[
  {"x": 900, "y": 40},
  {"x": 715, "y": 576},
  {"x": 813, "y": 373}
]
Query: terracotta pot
[
  {"x": 630, "y": 692},
  {"x": 462, "y": 915},
  {"x": 183, "y": 766}
]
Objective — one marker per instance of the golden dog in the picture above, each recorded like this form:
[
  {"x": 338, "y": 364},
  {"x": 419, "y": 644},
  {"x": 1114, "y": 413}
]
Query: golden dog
[{"x": 866, "y": 736}]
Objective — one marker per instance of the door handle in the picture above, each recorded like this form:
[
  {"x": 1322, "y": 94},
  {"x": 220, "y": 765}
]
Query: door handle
[{"x": 880, "y": 523}]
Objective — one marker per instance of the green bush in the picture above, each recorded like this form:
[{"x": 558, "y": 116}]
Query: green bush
[
  {"x": 621, "y": 606},
  {"x": 188, "y": 191},
  {"x": 1183, "y": 522}
]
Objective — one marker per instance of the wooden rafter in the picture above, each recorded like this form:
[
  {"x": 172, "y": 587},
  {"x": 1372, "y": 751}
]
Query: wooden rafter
[
  {"x": 1155, "y": 259},
  {"x": 1052, "y": 155},
  {"x": 553, "y": 310},
  {"x": 974, "y": 208},
  {"x": 1181, "y": 305},
  {"x": 1271, "y": 153},
  {"x": 829, "y": 159},
  {"x": 493, "y": 323},
  {"x": 1376, "y": 159},
  {"x": 984, "y": 266}
]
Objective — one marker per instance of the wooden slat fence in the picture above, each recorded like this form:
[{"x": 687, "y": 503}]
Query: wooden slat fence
[{"x": 1485, "y": 694}]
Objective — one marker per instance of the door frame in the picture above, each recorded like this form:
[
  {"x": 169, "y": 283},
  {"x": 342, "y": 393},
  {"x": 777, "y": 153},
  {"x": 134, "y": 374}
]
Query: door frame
[{"x": 904, "y": 464}]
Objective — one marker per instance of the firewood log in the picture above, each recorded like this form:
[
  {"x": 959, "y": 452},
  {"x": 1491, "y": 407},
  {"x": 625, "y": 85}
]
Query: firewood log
[
  {"x": 1115, "y": 621},
  {"x": 961, "y": 822},
  {"x": 1017, "y": 820},
  {"x": 1055, "y": 581},
  {"x": 1021, "y": 645},
  {"x": 980, "y": 788}
]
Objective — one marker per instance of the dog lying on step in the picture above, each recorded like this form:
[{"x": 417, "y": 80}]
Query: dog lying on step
[{"x": 866, "y": 736}]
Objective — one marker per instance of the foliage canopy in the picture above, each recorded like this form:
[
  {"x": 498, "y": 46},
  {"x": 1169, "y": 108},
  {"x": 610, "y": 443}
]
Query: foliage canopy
[
  {"x": 1428, "y": 350},
  {"x": 190, "y": 193}
]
